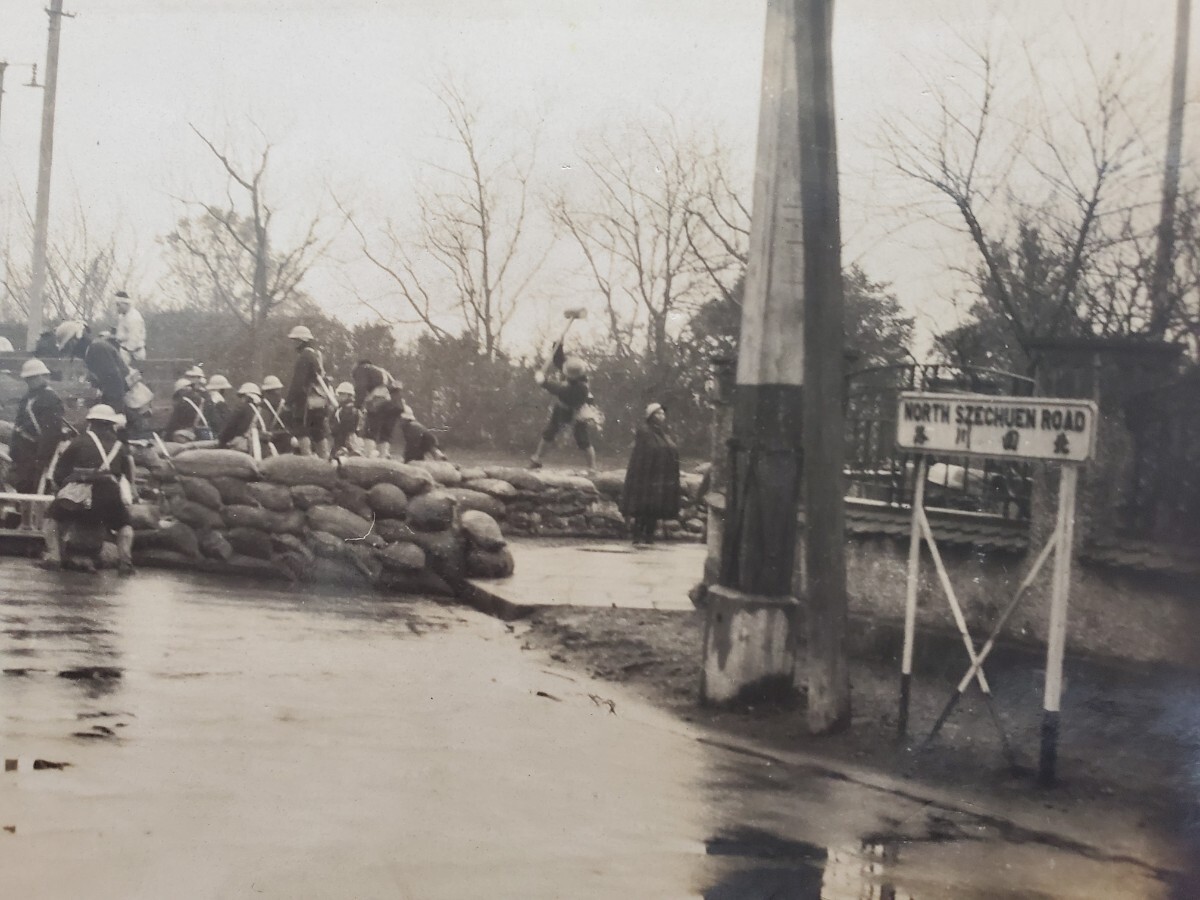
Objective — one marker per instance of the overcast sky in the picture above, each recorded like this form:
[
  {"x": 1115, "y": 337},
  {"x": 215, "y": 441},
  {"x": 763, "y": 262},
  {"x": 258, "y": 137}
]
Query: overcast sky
[{"x": 342, "y": 88}]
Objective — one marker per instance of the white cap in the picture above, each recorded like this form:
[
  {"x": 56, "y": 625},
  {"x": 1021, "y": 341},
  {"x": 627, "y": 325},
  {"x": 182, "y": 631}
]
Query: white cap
[
  {"x": 194, "y": 372},
  {"x": 249, "y": 388},
  {"x": 123, "y": 297},
  {"x": 345, "y": 388},
  {"x": 120, "y": 420},
  {"x": 32, "y": 367},
  {"x": 181, "y": 384},
  {"x": 652, "y": 409},
  {"x": 300, "y": 333},
  {"x": 574, "y": 367},
  {"x": 219, "y": 383},
  {"x": 408, "y": 413},
  {"x": 66, "y": 332},
  {"x": 102, "y": 412},
  {"x": 271, "y": 383}
]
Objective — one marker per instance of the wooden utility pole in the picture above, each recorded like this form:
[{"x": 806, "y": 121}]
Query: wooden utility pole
[
  {"x": 1164, "y": 255},
  {"x": 785, "y": 431},
  {"x": 824, "y": 388},
  {"x": 41, "y": 221}
]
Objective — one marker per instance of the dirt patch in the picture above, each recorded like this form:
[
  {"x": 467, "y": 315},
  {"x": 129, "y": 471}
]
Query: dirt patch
[{"x": 1126, "y": 736}]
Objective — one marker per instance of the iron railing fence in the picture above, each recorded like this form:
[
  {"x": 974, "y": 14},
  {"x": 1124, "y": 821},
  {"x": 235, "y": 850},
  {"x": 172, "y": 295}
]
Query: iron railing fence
[{"x": 877, "y": 470}]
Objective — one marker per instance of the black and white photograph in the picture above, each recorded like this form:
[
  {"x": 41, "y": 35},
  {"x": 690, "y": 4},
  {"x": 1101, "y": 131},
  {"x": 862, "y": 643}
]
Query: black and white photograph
[{"x": 631, "y": 449}]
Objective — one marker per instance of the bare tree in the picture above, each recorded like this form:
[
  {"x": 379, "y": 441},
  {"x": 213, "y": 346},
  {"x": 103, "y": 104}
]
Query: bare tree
[
  {"x": 223, "y": 257},
  {"x": 658, "y": 229},
  {"x": 1058, "y": 168},
  {"x": 84, "y": 267},
  {"x": 471, "y": 262}
]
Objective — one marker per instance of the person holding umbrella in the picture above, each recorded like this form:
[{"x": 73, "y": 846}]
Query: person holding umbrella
[{"x": 651, "y": 492}]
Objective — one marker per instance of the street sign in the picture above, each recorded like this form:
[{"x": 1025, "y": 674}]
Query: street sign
[{"x": 1048, "y": 428}]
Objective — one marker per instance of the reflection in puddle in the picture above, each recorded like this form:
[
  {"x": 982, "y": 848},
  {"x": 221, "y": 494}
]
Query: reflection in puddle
[{"x": 803, "y": 871}]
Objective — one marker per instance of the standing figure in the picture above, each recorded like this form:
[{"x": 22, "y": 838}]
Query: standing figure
[
  {"x": 345, "y": 423},
  {"x": 37, "y": 429},
  {"x": 419, "y": 441},
  {"x": 651, "y": 491},
  {"x": 377, "y": 394},
  {"x": 106, "y": 370},
  {"x": 381, "y": 419},
  {"x": 308, "y": 397},
  {"x": 130, "y": 330},
  {"x": 89, "y": 474},
  {"x": 567, "y": 380}
]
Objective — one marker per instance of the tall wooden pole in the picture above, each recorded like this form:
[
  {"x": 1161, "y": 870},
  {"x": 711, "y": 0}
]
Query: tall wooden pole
[
  {"x": 758, "y": 555},
  {"x": 41, "y": 221},
  {"x": 824, "y": 359},
  {"x": 1160, "y": 303},
  {"x": 787, "y": 432}
]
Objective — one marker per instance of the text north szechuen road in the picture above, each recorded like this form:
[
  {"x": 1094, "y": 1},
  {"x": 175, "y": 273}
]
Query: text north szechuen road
[{"x": 1046, "y": 428}]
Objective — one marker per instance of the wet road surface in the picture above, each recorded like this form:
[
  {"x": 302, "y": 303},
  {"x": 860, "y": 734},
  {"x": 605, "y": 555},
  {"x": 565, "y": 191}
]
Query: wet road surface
[{"x": 223, "y": 740}]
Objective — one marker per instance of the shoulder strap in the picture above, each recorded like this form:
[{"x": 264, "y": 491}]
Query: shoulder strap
[
  {"x": 199, "y": 411},
  {"x": 105, "y": 458}
]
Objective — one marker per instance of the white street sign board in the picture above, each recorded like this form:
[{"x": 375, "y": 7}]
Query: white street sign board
[{"x": 1058, "y": 430}]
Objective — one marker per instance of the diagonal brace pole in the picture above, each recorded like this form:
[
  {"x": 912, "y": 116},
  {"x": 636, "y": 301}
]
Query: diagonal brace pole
[
  {"x": 968, "y": 643},
  {"x": 1051, "y": 545}
]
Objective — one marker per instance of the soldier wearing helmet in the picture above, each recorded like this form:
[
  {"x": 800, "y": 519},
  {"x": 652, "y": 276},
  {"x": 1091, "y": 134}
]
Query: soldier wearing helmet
[
  {"x": 89, "y": 474},
  {"x": 188, "y": 420},
  {"x": 106, "y": 370},
  {"x": 216, "y": 404},
  {"x": 245, "y": 428},
  {"x": 37, "y": 429},
  {"x": 567, "y": 379},
  {"x": 273, "y": 414},
  {"x": 308, "y": 395},
  {"x": 345, "y": 423}
]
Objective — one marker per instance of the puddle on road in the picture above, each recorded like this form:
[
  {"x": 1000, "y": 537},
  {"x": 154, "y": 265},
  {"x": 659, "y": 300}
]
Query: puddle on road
[
  {"x": 93, "y": 673},
  {"x": 798, "y": 870},
  {"x": 22, "y": 764}
]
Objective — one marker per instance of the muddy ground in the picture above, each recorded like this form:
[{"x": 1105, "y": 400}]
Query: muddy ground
[{"x": 1129, "y": 738}]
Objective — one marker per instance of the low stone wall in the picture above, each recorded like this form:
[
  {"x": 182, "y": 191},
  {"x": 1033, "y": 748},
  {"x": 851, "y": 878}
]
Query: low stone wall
[{"x": 377, "y": 523}]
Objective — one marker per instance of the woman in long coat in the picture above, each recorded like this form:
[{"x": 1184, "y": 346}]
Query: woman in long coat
[{"x": 652, "y": 491}]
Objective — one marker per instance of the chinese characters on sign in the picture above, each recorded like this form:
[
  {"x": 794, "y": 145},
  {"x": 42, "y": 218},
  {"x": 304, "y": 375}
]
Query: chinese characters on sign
[{"x": 1046, "y": 428}]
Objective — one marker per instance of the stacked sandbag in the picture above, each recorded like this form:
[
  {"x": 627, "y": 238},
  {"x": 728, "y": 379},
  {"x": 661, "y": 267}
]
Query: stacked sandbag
[
  {"x": 488, "y": 555},
  {"x": 380, "y": 523}
]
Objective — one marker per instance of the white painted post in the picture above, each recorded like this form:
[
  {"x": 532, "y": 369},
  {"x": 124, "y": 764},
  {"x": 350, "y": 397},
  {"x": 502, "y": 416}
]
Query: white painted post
[
  {"x": 910, "y": 598},
  {"x": 1057, "y": 638}
]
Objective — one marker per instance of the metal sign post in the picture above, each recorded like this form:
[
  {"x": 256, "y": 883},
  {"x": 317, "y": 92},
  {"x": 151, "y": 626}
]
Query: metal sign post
[{"x": 1055, "y": 430}]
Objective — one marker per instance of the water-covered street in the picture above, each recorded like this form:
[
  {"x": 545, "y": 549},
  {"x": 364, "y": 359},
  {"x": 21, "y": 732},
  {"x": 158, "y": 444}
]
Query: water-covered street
[{"x": 175, "y": 736}]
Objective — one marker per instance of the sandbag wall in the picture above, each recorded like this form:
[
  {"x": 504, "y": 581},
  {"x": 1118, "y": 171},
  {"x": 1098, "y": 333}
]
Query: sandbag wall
[
  {"x": 558, "y": 504},
  {"x": 376, "y": 523}
]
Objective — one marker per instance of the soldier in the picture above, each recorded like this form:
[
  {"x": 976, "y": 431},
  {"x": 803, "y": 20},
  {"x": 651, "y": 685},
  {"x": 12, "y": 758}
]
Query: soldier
[
  {"x": 37, "y": 430},
  {"x": 130, "y": 330},
  {"x": 216, "y": 407},
  {"x": 106, "y": 370},
  {"x": 308, "y": 396},
  {"x": 345, "y": 422},
  {"x": 89, "y": 474},
  {"x": 245, "y": 429},
  {"x": 273, "y": 414},
  {"x": 187, "y": 422}
]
